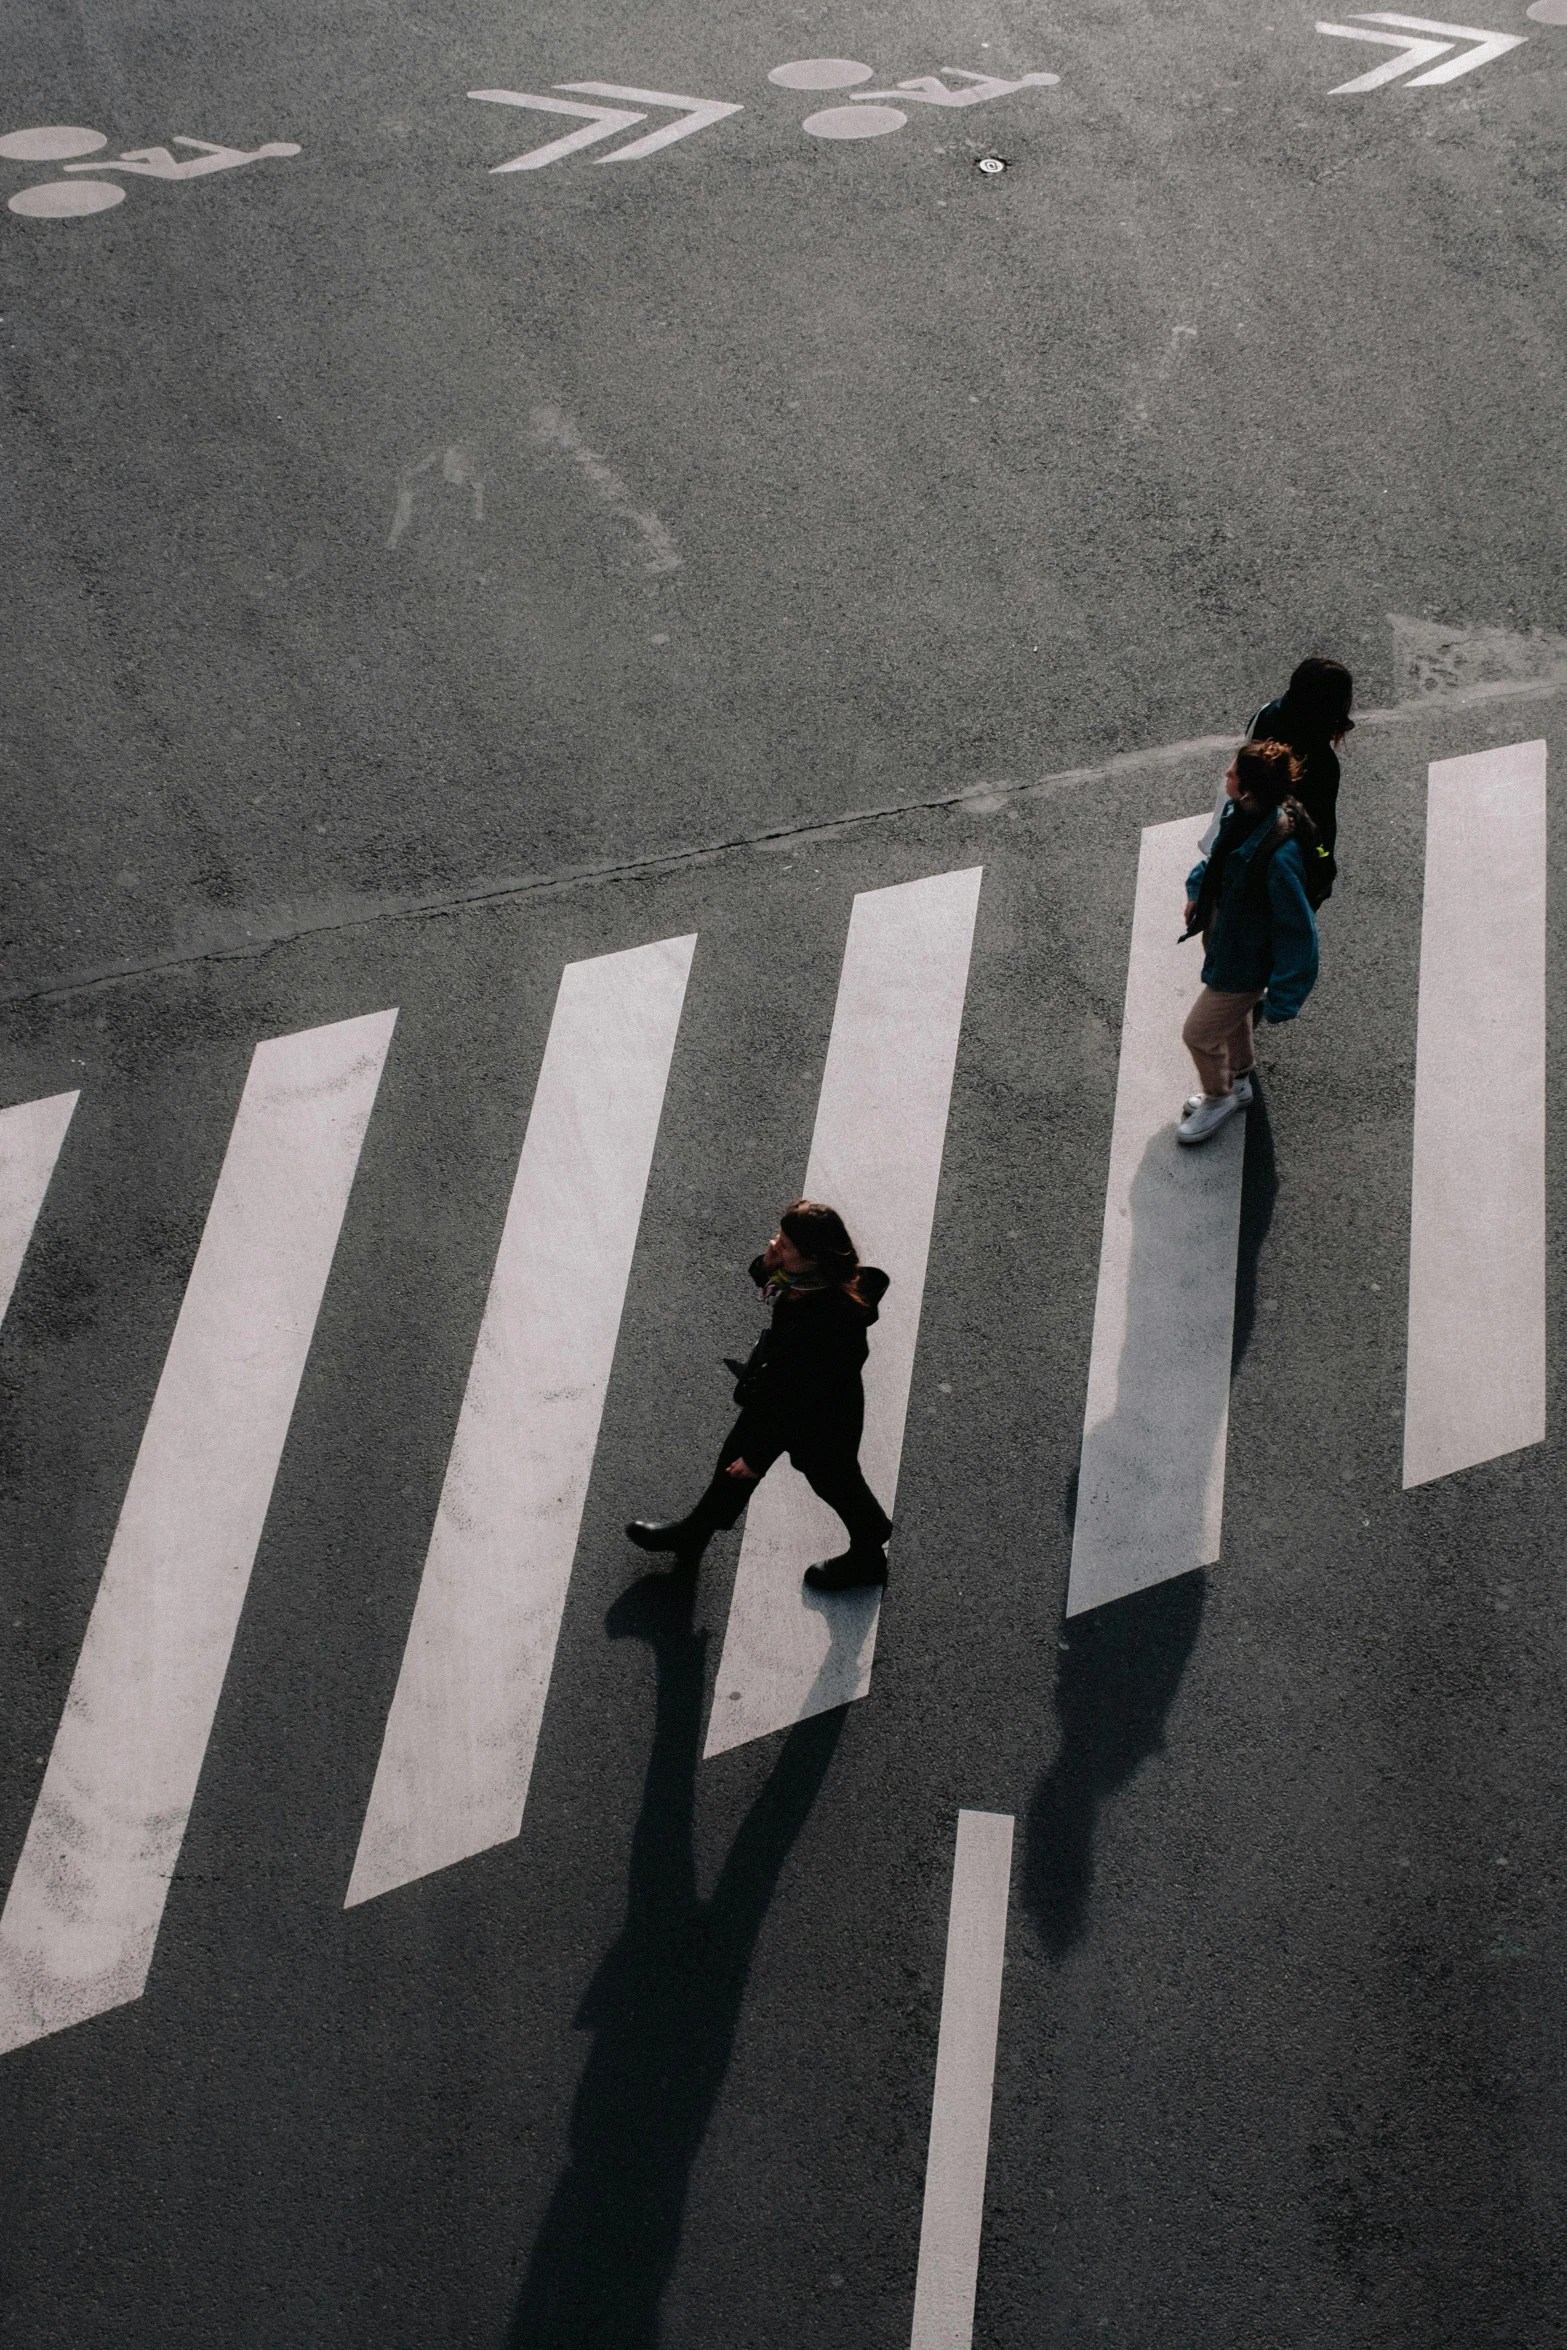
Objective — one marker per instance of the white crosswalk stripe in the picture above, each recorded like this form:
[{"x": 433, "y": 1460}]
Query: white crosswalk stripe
[
  {"x": 1150, "y": 1492},
  {"x": 82, "y": 1916},
  {"x": 881, "y": 1126},
  {"x": 1476, "y": 1377},
  {"x": 458, "y": 1753},
  {"x": 948, "y": 2273},
  {"x": 30, "y": 1138}
]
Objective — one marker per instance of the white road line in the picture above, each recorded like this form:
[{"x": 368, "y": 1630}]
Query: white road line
[
  {"x": 30, "y": 1139},
  {"x": 82, "y": 1917},
  {"x": 1150, "y": 1492},
  {"x": 455, "y": 1763},
  {"x": 881, "y": 1125},
  {"x": 1476, "y": 1375},
  {"x": 965, "y": 2075}
]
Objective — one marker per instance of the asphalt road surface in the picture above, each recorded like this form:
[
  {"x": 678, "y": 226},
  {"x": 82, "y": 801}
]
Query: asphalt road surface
[{"x": 779, "y": 580}]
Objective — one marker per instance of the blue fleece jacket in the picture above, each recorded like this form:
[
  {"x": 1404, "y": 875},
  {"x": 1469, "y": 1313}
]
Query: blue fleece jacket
[{"x": 1259, "y": 936}]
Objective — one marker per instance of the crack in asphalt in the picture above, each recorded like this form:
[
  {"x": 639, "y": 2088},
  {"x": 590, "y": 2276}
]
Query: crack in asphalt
[{"x": 981, "y": 799}]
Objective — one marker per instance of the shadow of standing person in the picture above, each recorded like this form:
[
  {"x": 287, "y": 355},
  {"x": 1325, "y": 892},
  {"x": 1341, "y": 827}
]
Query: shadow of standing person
[
  {"x": 1151, "y": 1470},
  {"x": 662, "y": 2009},
  {"x": 1259, "y": 1194},
  {"x": 1120, "y": 1667},
  {"x": 1146, "y": 1495}
]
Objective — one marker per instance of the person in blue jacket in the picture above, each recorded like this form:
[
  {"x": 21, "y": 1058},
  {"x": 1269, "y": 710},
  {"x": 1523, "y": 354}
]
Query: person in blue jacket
[{"x": 1248, "y": 900}]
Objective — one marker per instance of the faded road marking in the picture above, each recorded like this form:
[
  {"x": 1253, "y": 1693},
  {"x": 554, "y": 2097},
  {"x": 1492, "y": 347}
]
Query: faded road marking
[
  {"x": 551, "y": 428},
  {"x": 457, "y": 468}
]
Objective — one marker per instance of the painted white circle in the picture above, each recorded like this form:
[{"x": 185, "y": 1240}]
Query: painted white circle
[
  {"x": 67, "y": 199},
  {"x": 52, "y": 142},
  {"x": 1548, "y": 11},
  {"x": 821, "y": 73},
  {"x": 854, "y": 122}
]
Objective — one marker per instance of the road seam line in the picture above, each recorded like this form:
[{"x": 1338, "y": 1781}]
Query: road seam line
[{"x": 985, "y": 799}]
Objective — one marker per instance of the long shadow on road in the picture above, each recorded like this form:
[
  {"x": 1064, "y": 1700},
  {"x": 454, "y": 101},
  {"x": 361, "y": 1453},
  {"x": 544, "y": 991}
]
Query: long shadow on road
[
  {"x": 662, "y": 2009},
  {"x": 1259, "y": 1193},
  {"x": 1119, "y": 1670}
]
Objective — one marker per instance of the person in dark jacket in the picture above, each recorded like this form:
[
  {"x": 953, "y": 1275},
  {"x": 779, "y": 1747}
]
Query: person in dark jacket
[
  {"x": 1248, "y": 899},
  {"x": 1313, "y": 718},
  {"x": 801, "y": 1393}
]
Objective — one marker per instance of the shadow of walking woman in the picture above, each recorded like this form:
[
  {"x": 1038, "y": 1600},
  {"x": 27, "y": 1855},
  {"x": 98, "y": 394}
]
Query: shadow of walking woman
[
  {"x": 1120, "y": 1668},
  {"x": 662, "y": 2009}
]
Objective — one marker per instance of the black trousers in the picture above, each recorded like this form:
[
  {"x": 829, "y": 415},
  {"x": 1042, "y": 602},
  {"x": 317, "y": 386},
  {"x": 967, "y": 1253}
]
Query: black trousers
[{"x": 831, "y": 1470}]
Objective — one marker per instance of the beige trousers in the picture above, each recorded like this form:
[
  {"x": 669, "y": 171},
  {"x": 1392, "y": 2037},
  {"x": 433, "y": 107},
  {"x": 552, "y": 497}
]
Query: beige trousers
[{"x": 1218, "y": 1037}]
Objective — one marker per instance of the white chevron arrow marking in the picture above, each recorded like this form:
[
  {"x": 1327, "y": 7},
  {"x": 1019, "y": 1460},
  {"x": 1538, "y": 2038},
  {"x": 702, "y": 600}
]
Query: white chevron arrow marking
[
  {"x": 1418, "y": 51},
  {"x": 1488, "y": 45},
  {"x": 1411, "y": 53},
  {"x": 700, "y": 112},
  {"x": 603, "y": 122}
]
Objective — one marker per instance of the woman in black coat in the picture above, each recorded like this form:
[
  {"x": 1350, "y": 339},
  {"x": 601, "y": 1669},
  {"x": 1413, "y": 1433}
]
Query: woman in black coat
[
  {"x": 1312, "y": 717},
  {"x": 801, "y": 1393}
]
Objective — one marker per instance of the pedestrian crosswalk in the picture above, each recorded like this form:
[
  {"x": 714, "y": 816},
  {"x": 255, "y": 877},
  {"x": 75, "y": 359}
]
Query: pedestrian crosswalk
[
  {"x": 453, "y": 1774},
  {"x": 86, "y": 1902},
  {"x": 1150, "y": 1492},
  {"x": 30, "y": 1139},
  {"x": 1476, "y": 1381},
  {"x": 876, "y": 1155},
  {"x": 1151, "y": 1480},
  {"x": 959, "y": 2149},
  {"x": 85, "y": 1905}
]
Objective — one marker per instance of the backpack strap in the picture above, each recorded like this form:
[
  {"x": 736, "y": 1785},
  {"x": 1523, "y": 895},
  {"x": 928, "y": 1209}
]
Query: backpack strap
[{"x": 1318, "y": 869}]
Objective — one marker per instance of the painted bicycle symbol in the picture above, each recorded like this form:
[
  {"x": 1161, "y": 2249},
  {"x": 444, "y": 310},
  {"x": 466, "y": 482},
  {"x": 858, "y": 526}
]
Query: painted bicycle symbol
[
  {"x": 876, "y": 117},
  {"x": 76, "y": 198}
]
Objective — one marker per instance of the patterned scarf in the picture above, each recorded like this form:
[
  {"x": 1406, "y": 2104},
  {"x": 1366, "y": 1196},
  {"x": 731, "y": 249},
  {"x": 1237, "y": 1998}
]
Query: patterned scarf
[{"x": 782, "y": 1284}]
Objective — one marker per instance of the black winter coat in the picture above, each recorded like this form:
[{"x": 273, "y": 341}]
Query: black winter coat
[
  {"x": 1318, "y": 790},
  {"x": 802, "y": 1389}
]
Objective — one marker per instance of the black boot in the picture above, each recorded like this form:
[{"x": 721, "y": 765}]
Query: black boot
[
  {"x": 683, "y": 1536},
  {"x": 853, "y": 1570}
]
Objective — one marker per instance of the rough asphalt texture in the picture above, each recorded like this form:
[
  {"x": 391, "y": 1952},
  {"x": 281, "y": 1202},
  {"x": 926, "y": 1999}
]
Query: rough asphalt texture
[{"x": 971, "y": 482}]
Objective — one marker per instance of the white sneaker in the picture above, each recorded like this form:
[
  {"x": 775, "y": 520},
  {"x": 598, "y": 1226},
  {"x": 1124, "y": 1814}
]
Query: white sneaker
[
  {"x": 1208, "y": 1116},
  {"x": 1242, "y": 1097}
]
